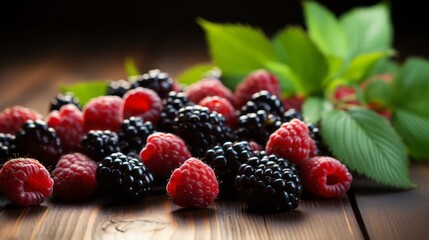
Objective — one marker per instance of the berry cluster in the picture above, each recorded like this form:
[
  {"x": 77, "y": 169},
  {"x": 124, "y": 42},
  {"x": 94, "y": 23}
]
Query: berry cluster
[{"x": 207, "y": 141}]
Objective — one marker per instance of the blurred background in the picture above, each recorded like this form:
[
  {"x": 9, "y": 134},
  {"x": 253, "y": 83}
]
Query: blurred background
[{"x": 90, "y": 39}]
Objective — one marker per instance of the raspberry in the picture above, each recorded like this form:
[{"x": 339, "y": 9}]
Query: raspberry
[
  {"x": 118, "y": 88},
  {"x": 7, "y": 147},
  {"x": 143, "y": 103},
  {"x": 269, "y": 183},
  {"x": 257, "y": 126},
  {"x": 103, "y": 113},
  {"x": 11, "y": 119},
  {"x": 255, "y": 146},
  {"x": 255, "y": 82},
  {"x": 100, "y": 144},
  {"x": 25, "y": 181},
  {"x": 68, "y": 123},
  {"x": 325, "y": 177},
  {"x": 133, "y": 134},
  {"x": 123, "y": 177},
  {"x": 294, "y": 102},
  {"x": 171, "y": 106},
  {"x": 37, "y": 140},
  {"x": 159, "y": 82},
  {"x": 225, "y": 160},
  {"x": 62, "y": 100},
  {"x": 222, "y": 106},
  {"x": 74, "y": 177},
  {"x": 193, "y": 185},
  {"x": 263, "y": 100},
  {"x": 291, "y": 141},
  {"x": 208, "y": 87},
  {"x": 163, "y": 153},
  {"x": 345, "y": 96}
]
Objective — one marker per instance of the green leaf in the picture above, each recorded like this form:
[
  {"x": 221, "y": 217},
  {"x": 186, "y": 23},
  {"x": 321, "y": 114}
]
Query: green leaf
[
  {"x": 194, "y": 74},
  {"x": 368, "y": 30},
  {"x": 366, "y": 143},
  {"x": 289, "y": 80},
  {"x": 361, "y": 64},
  {"x": 414, "y": 129},
  {"x": 237, "y": 49},
  {"x": 383, "y": 66},
  {"x": 85, "y": 91},
  {"x": 296, "y": 50},
  {"x": 131, "y": 67},
  {"x": 313, "y": 108},
  {"x": 325, "y": 30},
  {"x": 378, "y": 91}
]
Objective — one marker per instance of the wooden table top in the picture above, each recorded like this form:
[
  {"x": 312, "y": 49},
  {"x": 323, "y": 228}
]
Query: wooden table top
[{"x": 369, "y": 211}]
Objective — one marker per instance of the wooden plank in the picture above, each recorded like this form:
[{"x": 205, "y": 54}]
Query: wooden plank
[
  {"x": 157, "y": 218},
  {"x": 393, "y": 214}
]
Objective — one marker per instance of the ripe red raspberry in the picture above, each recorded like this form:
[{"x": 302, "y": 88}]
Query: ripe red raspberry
[
  {"x": 345, "y": 96},
  {"x": 222, "y": 106},
  {"x": 143, "y": 103},
  {"x": 74, "y": 177},
  {"x": 256, "y": 82},
  {"x": 208, "y": 87},
  {"x": 193, "y": 185},
  {"x": 294, "y": 102},
  {"x": 291, "y": 141},
  {"x": 11, "y": 119},
  {"x": 163, "y": 153},
  {"x": 255, "y": 146},
  {"x": 25, "y": 181},
  {"x": 103, "y": 113},
  {"x": 68, "y": 123},
  {"x": 325, "y": 177}
]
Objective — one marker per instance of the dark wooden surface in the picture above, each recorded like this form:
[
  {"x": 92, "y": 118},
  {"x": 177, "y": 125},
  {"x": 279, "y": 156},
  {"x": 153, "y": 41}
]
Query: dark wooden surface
[{"x": 369, "y": 211}]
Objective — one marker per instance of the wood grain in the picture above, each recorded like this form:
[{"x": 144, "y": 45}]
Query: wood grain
[{"x": 393, "y": 214}]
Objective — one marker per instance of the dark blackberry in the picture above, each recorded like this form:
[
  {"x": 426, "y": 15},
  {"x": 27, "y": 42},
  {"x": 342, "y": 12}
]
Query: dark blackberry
[
  {"x": 63, "y": 99},
  {"x": 225, "y": 161},
  {"x": 124, "y": 177},
  {"x": 291, "y": 114},
  {"x": 133, "y": 134},
  {"x": 171, "y": 105},
  {"x": 257, "y": 126},
  {"x": 269, "y": 184},
  {"x": 201, "y": 129},
  {"x": 322, "y": 149},
  {"x": 118, "y": 88},
  {"x": 158, "y": 81},
  {"x": 7, "y": 147},
  {"x": 98, "y": 144},
  {"x": 263, "y": 100},
  {"x": 37, "y": 140}
]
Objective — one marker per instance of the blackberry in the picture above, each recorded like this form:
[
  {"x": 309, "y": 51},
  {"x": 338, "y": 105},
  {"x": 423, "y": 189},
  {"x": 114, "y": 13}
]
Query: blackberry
[
  {"x": 201, "y": 129},
  {"x": 37, "y": 140},
  {"x": 269, "y": 184},
  {"x": 7, "y": 147},
  {"x": 225, "y": 161},
  {"x": 257, "y": 126},
  {"x": 98, "y": 144},
  {"x": 263, "y": 100},
  {"x": 158, "y": 81},
  {"x": 118, "y": 88},
  {"x": 63, "y": 99},
  {"x": 133, "y": 134},
  {"x": 124, "y": 177},
  {"x": 291, "y": 114},
  {"x": 322, "y": 149},
  {"x": 171, "y": 105}
]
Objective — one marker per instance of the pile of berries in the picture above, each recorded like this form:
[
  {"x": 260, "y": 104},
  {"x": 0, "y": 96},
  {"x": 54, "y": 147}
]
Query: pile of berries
[{"x": 202, "y": 143}]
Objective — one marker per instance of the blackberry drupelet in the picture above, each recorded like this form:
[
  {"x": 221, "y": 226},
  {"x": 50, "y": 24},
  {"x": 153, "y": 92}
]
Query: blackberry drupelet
[
  {"x": 7, "y": 147},
  {"x": 98, "y": 144},
  {"x": 124, "y": 177},
  {"x": 37, "y": 140},
  {"x": 63, "y": 99},
  {"x": 118, "y": 87},
  {"x": 133, "y": 134},
  {"x": 158, "y": 81},
  {"x": 315, "y": 134},
  {"x": 257, "y": 126},
  {"x": 201, "y": 129},
  {"x": 171, "y": 105},
  {"x": 269, "y": 184},
  {"x": 225, "y": 161},
  {"x": 263, "y": 100},
  {"x": 291, "y": 114}
]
